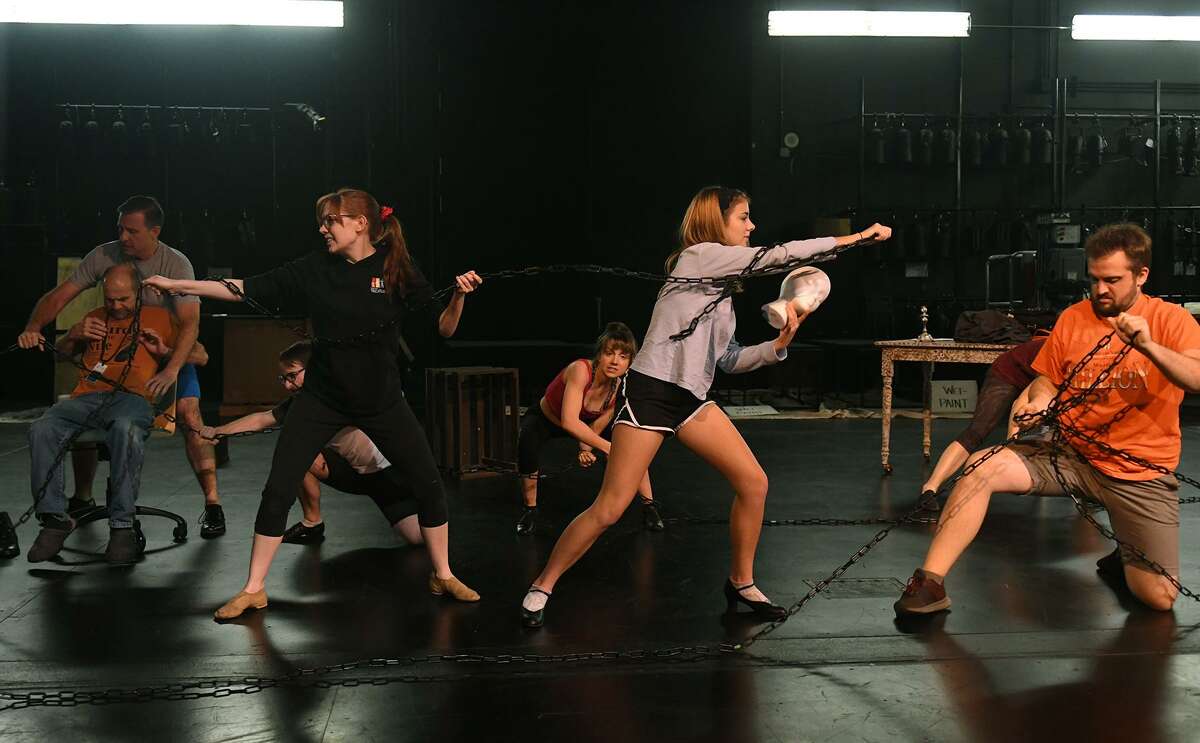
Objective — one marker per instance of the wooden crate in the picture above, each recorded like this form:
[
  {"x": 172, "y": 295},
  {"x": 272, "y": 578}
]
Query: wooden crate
[{"x": 472, "y": 417}]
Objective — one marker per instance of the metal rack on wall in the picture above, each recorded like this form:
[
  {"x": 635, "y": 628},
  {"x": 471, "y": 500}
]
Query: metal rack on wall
[
  {"x": 1045, "y": 147},
  {"x": 221, "y": 172}
]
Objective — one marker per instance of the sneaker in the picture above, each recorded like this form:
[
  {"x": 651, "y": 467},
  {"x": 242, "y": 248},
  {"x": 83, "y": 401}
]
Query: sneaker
[
  {"x": 922, "y": 595},
  {"x": 1111, "y": 566},
  {"x": 526, "y": 522},
  {"x": 55, "y": 530},
  {"x": 212, "y": 523},
  {"x": 651, "y": 520},
  {"x": 298, "y": 533},
  {"x": 124, "y": 546},
  {"x": 75, "y": 505}
]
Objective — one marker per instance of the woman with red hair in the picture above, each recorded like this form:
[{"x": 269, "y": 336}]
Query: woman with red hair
[{"x": 356, "y": 293}]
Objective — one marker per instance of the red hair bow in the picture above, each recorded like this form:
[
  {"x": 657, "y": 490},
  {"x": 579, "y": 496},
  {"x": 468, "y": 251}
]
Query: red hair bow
[{"x": 385, "y": 212}]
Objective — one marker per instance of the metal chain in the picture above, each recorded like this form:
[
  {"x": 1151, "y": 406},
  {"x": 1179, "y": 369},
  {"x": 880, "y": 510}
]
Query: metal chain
[
  {"x": 1058, "y": 407},
  {"x": 89, "y": 421}
]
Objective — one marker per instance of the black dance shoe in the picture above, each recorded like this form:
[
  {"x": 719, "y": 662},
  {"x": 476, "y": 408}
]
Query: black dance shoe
[
  {"x": 526, "y": 523},
  {"x": 212, "y": 522},
  {"x": 651, "y": 519},
  {"x": 929, "y": 501},
  {"x": 534, "y": 619},
  {"x": 762, "y": 609},
  {"x": 298, "y": 533}
]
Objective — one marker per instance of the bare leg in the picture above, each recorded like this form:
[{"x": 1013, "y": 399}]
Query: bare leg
[
  {"x": 310, "y": 493},
  {"x": 630, "y": 457},
  {"x": 952, "y": 458},
  {"x": 964, "y": 511},
  {"x": 529, "y": 490},
  {"x": 261, "y": 555},
  {"x": 310, "y": 500},
  {"x": 200, "y": 455},
  {"x": 437, "y": 542},
  {"x": 713, "y": 436},
  {"x": 644, "y": 487},
  {"x": 409, "y": 530}
]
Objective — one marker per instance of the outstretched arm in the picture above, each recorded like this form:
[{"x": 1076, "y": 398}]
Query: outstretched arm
[
  {"x": 448, "y": 320},
  {"x": 206, "y": 289},
  {"x": 46, "y": 309},
  {"x": 252, "y": 422}
]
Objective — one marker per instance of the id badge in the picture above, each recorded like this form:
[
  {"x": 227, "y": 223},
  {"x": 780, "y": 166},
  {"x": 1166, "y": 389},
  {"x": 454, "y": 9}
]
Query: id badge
[{"x": 97, "y": 370}]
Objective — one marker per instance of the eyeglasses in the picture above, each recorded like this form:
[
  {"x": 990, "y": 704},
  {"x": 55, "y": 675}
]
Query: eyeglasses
[
  {"x": 328, "y": 220},
  {"x": 290, "y": 377}
]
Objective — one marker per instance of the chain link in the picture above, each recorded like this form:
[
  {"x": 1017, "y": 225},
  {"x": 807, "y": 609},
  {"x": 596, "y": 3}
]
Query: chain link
[{"x": 315, "y": 677}]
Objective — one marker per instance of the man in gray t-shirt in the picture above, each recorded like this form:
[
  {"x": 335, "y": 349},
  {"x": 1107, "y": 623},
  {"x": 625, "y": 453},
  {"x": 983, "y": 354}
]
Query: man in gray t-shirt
[{"x": 139, "y": 223}]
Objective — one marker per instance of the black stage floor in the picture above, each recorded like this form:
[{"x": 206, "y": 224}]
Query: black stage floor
[{"x": 1036, "y": 647}]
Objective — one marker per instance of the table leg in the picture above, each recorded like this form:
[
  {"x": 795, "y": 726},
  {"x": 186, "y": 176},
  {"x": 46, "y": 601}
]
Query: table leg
[
  {"x": 926, "y": 415},
  {"x": 887, "y": 371}
]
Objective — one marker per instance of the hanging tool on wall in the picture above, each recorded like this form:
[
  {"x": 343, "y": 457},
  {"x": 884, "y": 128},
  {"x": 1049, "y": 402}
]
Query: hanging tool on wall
[
  {"x": 1096, "y": 143},
  {"x": 1022, "y": 144},
  {"x": 903, "y": 142},
  {"x": 998, "y": 141},
  {"x": 925, "y": 145},
  {"x": 1176, "y": 144},
  {"x": 944, "y": 236},
  {"x": 1193, "y": 152},
  {"x": 177, "y": 130},
  {"x": 974, "y": 147},
  {"x": 91, "y": 133},
  {"x": 947, "y": 143},
  {"x": 118, "y": 134},
  {"x": 1078, "y": 149},
  {"x": 1043, "y": 144},
  {"x": 145, "y": 137},
  {"x": 876, "y": 144},
  {"x": 66, "y": 133}
]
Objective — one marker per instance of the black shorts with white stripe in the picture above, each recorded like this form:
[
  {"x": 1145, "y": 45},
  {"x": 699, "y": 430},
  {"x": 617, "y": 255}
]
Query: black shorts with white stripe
[{"x": 654, "y": 405}]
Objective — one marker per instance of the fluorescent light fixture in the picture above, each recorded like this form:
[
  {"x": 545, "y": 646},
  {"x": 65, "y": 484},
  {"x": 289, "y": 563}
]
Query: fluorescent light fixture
[
  {"x": 866, "y": 23},
  {"x": 175, "y": 12},
  {"x": 1136, "y": 27}
]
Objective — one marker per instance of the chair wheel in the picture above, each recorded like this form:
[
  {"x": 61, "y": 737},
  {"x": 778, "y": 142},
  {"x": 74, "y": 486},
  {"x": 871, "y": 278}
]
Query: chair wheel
[{"x": 180, "y": 533}]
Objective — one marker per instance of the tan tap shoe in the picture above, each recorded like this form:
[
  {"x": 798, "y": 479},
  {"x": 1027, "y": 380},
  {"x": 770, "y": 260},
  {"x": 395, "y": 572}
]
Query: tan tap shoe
[
  {"x": 240, "y": 603},
  {"x": 452, "y": 586}
]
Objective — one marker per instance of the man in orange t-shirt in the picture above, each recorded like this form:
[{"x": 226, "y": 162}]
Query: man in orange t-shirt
[
  {"x": 103, "y": 338},
  {"x": 1134, "y": 409}
]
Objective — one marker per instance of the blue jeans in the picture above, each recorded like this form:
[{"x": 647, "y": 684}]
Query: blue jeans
[{"x": 125, "y": 418}]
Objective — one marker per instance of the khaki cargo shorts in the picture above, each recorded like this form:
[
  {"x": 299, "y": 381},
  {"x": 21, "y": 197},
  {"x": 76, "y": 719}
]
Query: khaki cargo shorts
[{"x": 1144, "y": 514}]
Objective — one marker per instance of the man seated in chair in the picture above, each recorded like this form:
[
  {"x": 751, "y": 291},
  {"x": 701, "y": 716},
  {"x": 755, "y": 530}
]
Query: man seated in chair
[{"x": 103, "y": 339}]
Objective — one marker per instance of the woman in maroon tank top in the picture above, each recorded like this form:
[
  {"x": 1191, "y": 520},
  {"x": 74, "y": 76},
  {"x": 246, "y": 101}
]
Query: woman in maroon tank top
[{"x": 580, "y": 403}]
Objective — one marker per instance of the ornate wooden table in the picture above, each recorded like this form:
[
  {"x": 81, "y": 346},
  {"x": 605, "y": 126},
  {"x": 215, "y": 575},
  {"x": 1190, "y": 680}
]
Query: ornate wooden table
[{"x": 928, "y": 353}]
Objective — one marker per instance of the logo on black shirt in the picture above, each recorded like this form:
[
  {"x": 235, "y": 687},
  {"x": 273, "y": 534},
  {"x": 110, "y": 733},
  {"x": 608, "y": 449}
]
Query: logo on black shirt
[{"x": 377, "y": 285}]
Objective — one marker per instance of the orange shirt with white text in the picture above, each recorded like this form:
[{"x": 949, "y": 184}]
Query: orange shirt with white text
[
  {"x": 109, "y": 351},
  {"x": 1143, "y": 401}
]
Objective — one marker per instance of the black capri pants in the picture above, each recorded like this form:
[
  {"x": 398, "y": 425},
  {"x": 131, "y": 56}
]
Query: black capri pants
[
  {"x": 309, "y": 426},
  {"x": 995, "y": 402},
  {"x": 536, "y": 430},
  {"x": 386, "y": 488}
]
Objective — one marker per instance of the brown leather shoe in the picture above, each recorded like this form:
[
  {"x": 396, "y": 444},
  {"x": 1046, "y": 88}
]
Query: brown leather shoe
[
  {"x": 453, "y": 586},
  {"x": 239, "y": 604},
  {"x": 922, "y": 595}
]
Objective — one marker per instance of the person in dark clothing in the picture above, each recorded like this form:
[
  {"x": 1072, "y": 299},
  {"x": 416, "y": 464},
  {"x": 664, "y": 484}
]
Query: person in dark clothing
[
  {"x": 580, "y": 402},
  {"x": 1003, "y": 387},
  {"x": 356, "y": 293},
  {"x": 350, "y": 462}
]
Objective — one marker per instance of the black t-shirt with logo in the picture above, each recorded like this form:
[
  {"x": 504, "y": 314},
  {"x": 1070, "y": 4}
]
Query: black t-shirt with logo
[{"x": 343, "y": 300}]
